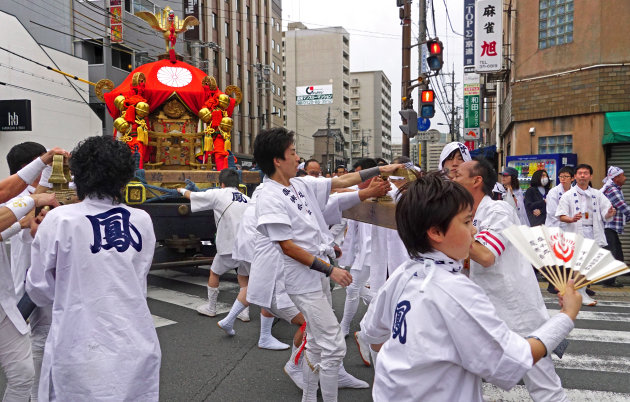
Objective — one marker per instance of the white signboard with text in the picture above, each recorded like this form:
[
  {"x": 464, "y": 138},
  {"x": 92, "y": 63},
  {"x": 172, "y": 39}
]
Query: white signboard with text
[
  {"x": 488, "y": 36},
  {"x": 314, "y": 95}
]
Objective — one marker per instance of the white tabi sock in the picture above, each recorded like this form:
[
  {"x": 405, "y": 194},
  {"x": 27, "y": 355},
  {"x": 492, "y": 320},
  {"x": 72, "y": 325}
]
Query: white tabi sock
[{"x": 236, "y": 309}]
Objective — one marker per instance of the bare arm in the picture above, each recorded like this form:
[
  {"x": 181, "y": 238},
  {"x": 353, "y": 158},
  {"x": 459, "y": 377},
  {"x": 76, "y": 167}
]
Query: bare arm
[
  {"x": 351, "y": 179},
  {"x": 538, "y": 349},
  {"x": 568, "y": 219},
  {"x": 480, "y": 254},
  {"x": 11, "y": 187},
  {"x": 290, "y": 249}
]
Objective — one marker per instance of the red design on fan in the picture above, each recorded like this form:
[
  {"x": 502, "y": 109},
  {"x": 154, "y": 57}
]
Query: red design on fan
[{"x": 563, "y": 249}]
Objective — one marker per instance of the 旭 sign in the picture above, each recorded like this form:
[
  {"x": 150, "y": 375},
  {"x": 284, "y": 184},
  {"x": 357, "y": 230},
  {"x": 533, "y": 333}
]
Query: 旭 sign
[
  {"x": 314, "y": 95},
  {"x": 488, "y": 36},
  {"x": 15, "y": 115}
]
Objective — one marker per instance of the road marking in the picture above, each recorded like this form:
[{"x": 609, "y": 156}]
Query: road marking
[
  {"x": 192, "y": 279},
  {"x": 607, "y": 364},
  {"x": 182, "y": 299},
  {"x": 600, "y": 303},
  {"x": 599, "y": 335},
  {"x": 161, "y": 321},
  {"x": 598, "y": 315},
  {"x": 519, "y": 393}
]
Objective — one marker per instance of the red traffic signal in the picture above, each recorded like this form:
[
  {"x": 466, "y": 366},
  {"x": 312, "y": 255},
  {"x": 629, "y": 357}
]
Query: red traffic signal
[
  {"x": 427, "y": 96},
  {"x": 427, "y": 105},
  {"x": 434, "y": 59}
]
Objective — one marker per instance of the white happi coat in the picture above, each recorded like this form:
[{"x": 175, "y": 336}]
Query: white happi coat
[
  {"x": 295, "y": 213},
  {"x": 245, "y": 238},
  {"x": 553, "y": 199},
  {"x": 570, "y": 204},
  {"x": 440, "y": 342},
  {"x": 228, "y": 205},
  {"x": 21, "y": 253},
  {"x": 389, "y": 251},
  {"x": 91, "y": 260},
  {"x": 510, "y": 282}
]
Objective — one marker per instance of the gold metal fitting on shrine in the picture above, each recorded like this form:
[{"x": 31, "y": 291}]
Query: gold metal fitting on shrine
[
  {"x": 224, "y": 101},
  {"x": 119, "y": 102},
  {"x": 57, "y": 177},
  {"x": 135, "y": 193},
  {"x": 122, "y": 125},
  {"x": 205, "y": 115},
  {"x": 142, "y": 109}
]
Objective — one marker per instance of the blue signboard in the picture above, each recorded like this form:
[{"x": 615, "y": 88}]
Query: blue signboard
[{"x": 424, "y": 124}]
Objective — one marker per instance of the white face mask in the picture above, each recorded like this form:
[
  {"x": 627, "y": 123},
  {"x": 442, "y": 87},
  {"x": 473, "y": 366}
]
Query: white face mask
[{"x": 544, "y": 181}]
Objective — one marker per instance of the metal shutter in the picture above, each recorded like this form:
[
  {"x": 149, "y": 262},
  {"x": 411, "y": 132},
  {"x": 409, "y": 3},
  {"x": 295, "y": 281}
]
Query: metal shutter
[{"x": 620, "y": 156}]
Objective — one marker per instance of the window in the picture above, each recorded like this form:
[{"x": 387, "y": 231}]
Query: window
[
  {"x": 273, "y": 44},
  {"x": 122, "y": 57},
  {"x": 238, "y": 71},
  {"x": 555, "y": 23},
  {"x": 278, "y": 47},
  {"x": 278, "y": 91},
  {"x": 238, "y": 38},
  {"x": 227, "y": 30},
  {"x": 273, "y": 65},
  {"x": 227, "y": 65},
  {"x": 555, "y": 144},
  {"x": 247, "y": 13},
  {"x": 278, "y": 69},
  {"x": 214, "y": 21}
]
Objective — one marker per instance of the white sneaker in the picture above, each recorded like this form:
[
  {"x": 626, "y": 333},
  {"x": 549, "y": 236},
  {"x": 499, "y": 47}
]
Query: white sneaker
[
  {"x": 272, "y": 343},
  {"x": 244, "y": 315},
  {"x": 347, "y": 380},
  {"x": 586, "y": 299},
  {"x": 364, "y": 348},
  {"x": 295, "y": 374},
  {"x": 204, "y": 309},
  {"x": 228, "y": 330}
]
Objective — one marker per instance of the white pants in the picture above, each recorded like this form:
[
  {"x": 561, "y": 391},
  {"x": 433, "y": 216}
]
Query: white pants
[
  {"x": 325, "y": 345},
  {"x": 543, "y": 382},
  {"x": 359, "y": 279},
  {"x": 16, "y": 361},
  {"x": 39, "y": 334}
]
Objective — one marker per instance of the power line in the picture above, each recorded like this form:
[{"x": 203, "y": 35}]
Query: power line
[
  {"x": 449, "y": 20},
  {"x": 42, "y": 93}
]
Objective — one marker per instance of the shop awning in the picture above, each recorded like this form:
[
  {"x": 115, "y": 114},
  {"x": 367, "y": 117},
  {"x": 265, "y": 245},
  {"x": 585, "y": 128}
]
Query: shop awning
[
  {"x": 616, "y": 127},
  {"x": 486, "y": 152}
]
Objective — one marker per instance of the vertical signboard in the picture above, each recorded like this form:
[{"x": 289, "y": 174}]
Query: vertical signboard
[
  {"x": 469, "y": 35},
  {"x": 115, "y": 23},
  {"x": 191, "y": 8},
  {"x": 488, "y": 36},
  {"x": 471, "y": 106}
]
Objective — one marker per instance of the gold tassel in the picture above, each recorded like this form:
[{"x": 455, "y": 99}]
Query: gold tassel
[
  {"x": 208, "y": 146},
  {"x": 228, "y": 142},
  {"x": 142, "y": 131}
]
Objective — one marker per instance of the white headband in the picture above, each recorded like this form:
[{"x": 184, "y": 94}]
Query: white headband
[{"x": 449, "y": 148}]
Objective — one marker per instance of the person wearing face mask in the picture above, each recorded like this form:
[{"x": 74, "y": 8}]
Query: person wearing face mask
[
  {"x": 453, "y": 155},
  {"x": 535, "y": 198},
  {"x": 513, "y": 194}
]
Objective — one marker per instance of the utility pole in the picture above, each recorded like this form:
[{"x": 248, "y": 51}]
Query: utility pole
[
  {"x": 406, "y": 67},
  {"x": 263, "y": 85},
  {"x": 451, "y": 126},
  {"x": 422, "y": 37}
]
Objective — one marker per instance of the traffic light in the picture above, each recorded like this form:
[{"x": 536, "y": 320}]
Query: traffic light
[
  {"x": 427, "y": 103},
  {"x": 434, "y": 60},
  {"x": 411, "y": 128}
]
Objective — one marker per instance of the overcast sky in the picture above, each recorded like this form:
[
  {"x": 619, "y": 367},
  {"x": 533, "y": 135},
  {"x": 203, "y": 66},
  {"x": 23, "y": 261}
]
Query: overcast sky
[{"x": 376, "y": 40}]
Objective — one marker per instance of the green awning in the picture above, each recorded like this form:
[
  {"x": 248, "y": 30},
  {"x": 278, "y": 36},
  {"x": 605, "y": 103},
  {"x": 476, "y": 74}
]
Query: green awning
[{"x": 616, "y": 128}]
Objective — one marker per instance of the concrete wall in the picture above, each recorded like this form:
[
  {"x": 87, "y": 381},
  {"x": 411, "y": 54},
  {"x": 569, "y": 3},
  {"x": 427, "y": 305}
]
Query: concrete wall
[{"x": 61, "y": 120}]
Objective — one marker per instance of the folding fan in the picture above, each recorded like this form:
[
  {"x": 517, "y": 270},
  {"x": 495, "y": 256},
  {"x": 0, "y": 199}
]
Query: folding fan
[{"x": 561, "y": 256}]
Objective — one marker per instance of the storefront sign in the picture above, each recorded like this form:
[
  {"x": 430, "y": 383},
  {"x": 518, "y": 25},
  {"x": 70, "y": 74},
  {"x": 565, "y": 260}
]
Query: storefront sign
[
  {"x": 15, "y": 115},
  {"x": 488, "y": 36}
]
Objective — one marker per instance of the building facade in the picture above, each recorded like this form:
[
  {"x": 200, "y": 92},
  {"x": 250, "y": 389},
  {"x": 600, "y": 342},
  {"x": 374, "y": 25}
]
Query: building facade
[
  {"x": 238, "y": 42},
  {"x": 567, "y": 77},
  {"x": 371, "y": 114},
  {"x": 317, "y": 83},
  {"x": 241, "y": 44}
]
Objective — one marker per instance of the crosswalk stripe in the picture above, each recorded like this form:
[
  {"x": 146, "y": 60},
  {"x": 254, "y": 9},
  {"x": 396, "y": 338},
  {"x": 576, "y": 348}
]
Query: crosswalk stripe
[
  {"x": 187, "y": 278},
  {"x": 161, "y": 321},
  {"x": 608, "y": 364},
  {"x": 182, "y": 299},
  {"x": 598, "y": 315},
  {"x": 519, "y": 393},
  {"x": 599, "y": 335},
  {"x": 600, "y": 303}
]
